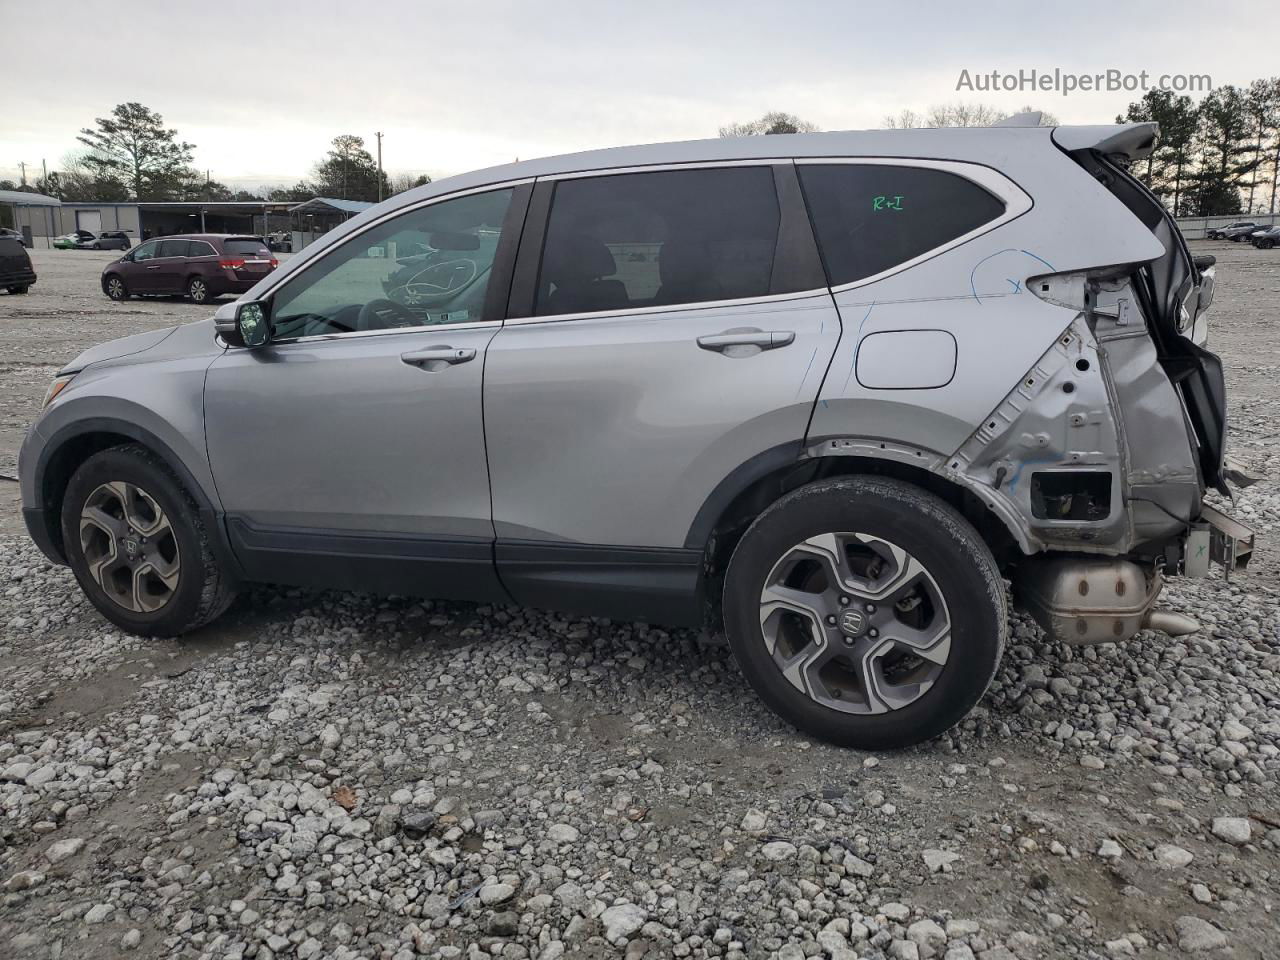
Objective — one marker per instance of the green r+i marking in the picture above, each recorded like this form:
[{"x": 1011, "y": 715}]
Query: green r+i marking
[{"x": 887, "y": 203}]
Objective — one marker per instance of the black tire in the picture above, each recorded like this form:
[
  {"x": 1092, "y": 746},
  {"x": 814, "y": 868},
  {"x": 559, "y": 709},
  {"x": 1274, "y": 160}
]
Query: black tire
[
  {"x": 1266, "y": 244},
  {"x": 115, "y": 288},
  {"x": 203, "y": 590},
  {"x": 198, "y": 290},
  {"x": 20, "y": 288},
  {"x": 931, "y": 531}
]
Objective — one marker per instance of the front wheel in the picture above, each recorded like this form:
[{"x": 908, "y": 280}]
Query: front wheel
[
  {"x": 138, "y": 546},
  {"x": 865, "y": 611},
  {"x": 115, "y": 288},
  {"x": 198, "y": 290},
  {"x": 19, "y": 288}
]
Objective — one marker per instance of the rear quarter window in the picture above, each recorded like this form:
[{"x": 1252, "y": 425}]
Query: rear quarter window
[{"x": 870, "y": 218}]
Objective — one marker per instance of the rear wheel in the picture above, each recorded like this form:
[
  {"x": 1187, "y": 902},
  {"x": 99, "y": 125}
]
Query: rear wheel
[
  {"x": 198, "y": 290},
  {"x": 138, "y": 546},
  {"x": 115, "y": 288},
  {"x": 865, "y": 611}
]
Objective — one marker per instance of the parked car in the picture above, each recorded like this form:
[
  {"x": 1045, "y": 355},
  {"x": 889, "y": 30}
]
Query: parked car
[
  {"x": 854, "y": 380},
  {"x": 280, "y": 242},
  {"x": 16, "y": 273},
  {"x": 1265, "y": 238},
  {"x": 200, "y": 266},
  {"x": 1218, "y": 233},
  {"x": 1238, "y": 233},
  {"x": 111, "y": 240},
  {"x": 13, "y": 235},
  {"x": 76, "y": 240}
]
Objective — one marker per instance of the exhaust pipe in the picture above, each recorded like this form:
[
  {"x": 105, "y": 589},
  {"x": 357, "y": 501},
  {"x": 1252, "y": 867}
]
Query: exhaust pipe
[{"x": 1174, "y": 624}]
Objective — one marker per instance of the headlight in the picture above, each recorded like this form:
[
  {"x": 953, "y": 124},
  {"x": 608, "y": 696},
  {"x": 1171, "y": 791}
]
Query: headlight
[{"x": 55, "y": 388}]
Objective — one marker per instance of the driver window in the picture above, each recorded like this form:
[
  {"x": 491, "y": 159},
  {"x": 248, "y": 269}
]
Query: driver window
[
  {"x": 426, "y": 268},
  {"x": 146, "y": 251}
]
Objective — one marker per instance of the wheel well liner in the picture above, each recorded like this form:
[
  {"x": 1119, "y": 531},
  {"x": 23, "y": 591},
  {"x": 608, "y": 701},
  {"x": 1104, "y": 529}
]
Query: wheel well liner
[
  {"x": 750, "y": 489},
  {"x": 74, "y": 443}
]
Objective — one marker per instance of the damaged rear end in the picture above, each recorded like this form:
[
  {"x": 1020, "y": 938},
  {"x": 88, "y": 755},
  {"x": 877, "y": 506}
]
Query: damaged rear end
[{"x": 1103, "y": 453}]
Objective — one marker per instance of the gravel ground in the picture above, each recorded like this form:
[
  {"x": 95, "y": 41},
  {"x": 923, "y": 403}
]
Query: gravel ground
[{"x": 336, "y": 775}]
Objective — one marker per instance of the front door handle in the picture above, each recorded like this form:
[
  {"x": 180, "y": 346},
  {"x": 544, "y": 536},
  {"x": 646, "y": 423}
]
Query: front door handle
[
  {"x": 759, "y": 339},
  {"x": 437, "y": 358}
]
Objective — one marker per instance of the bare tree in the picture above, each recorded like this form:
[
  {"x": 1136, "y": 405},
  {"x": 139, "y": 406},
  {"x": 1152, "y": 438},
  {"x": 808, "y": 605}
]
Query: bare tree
[
  {"x": 407, "y": 181},
  {"x": 961, "y": 115},
  {"x": 773, "y": 122}
]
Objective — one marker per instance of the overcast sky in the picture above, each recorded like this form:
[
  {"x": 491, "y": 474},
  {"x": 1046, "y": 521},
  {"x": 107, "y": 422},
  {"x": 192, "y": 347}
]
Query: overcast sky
[{"x": 262, "y": 87}]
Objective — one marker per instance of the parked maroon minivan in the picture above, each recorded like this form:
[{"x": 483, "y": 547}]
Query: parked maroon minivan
[{"x": 200, "y": 266}]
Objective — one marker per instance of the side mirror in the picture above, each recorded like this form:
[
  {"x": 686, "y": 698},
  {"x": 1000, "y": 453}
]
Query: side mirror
[{"x": 252, "y": 323}]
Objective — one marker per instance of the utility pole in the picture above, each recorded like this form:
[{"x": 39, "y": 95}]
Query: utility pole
[
  {"x": 22, "y": 166},
  {"x": 379, "y": 136},
  {"x": 45, "y": 168}
]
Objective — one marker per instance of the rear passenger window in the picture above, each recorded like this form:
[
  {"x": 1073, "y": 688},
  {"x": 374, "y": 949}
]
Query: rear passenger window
[
  {"x": 172, "y": 248},
  {"x": 872, "y": 217},
  {"x": 653, "y": 239}
]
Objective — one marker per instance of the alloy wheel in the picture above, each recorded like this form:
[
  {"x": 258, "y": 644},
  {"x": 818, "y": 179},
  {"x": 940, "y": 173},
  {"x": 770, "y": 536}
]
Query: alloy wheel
[
  {"x": 199, "y": 292},
  {"x": 115, "y": 288},
  {"x": 855, "y": 622},
  {"x": 129, "y": 546}
]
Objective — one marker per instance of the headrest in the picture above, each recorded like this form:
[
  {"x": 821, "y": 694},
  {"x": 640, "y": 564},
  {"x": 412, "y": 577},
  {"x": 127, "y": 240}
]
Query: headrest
[{"x": 578, "y": 256}]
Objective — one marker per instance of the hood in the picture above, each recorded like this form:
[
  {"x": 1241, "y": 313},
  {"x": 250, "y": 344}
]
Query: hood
[{"x": 115, "y": 349}]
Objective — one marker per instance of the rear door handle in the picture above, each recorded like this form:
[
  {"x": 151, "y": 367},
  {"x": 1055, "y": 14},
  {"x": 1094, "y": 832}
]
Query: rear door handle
[
  {"x": 434, "y": 358},
  {"x": 762, "y": 339}
]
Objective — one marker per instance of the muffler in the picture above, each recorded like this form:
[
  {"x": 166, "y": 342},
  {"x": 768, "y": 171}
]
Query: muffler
[{"x": 1086, "y": 600}]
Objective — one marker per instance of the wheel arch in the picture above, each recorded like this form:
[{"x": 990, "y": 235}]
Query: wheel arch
[
  {"x": 766, "y": 478},
  {"x": 74, "y": 443}
]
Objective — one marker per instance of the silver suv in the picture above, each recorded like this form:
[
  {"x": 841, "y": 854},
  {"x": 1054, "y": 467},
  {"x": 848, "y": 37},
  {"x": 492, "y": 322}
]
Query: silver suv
[{"x": 824, "y": 391}]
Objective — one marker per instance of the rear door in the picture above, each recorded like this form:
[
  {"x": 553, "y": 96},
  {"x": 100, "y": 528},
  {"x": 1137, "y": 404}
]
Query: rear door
[{"x": 667, "y": 329}]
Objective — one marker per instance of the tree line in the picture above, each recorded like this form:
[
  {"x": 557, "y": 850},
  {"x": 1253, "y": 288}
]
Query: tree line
[
  {"x": 131, "y": 155},
  {"x": 1216, "y": 157}
]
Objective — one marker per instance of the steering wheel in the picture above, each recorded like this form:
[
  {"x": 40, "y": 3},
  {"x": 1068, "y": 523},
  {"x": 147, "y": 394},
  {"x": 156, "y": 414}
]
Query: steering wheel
[
  {"x": 441, "y": 282},
  {"x": 381, "y": 314}
]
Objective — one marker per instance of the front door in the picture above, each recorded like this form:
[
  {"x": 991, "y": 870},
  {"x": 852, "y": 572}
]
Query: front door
[
  {"x": 349, "y": 451},
  {"x": 679, "y": 330},
  {"x": 140, "y": 271}
]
